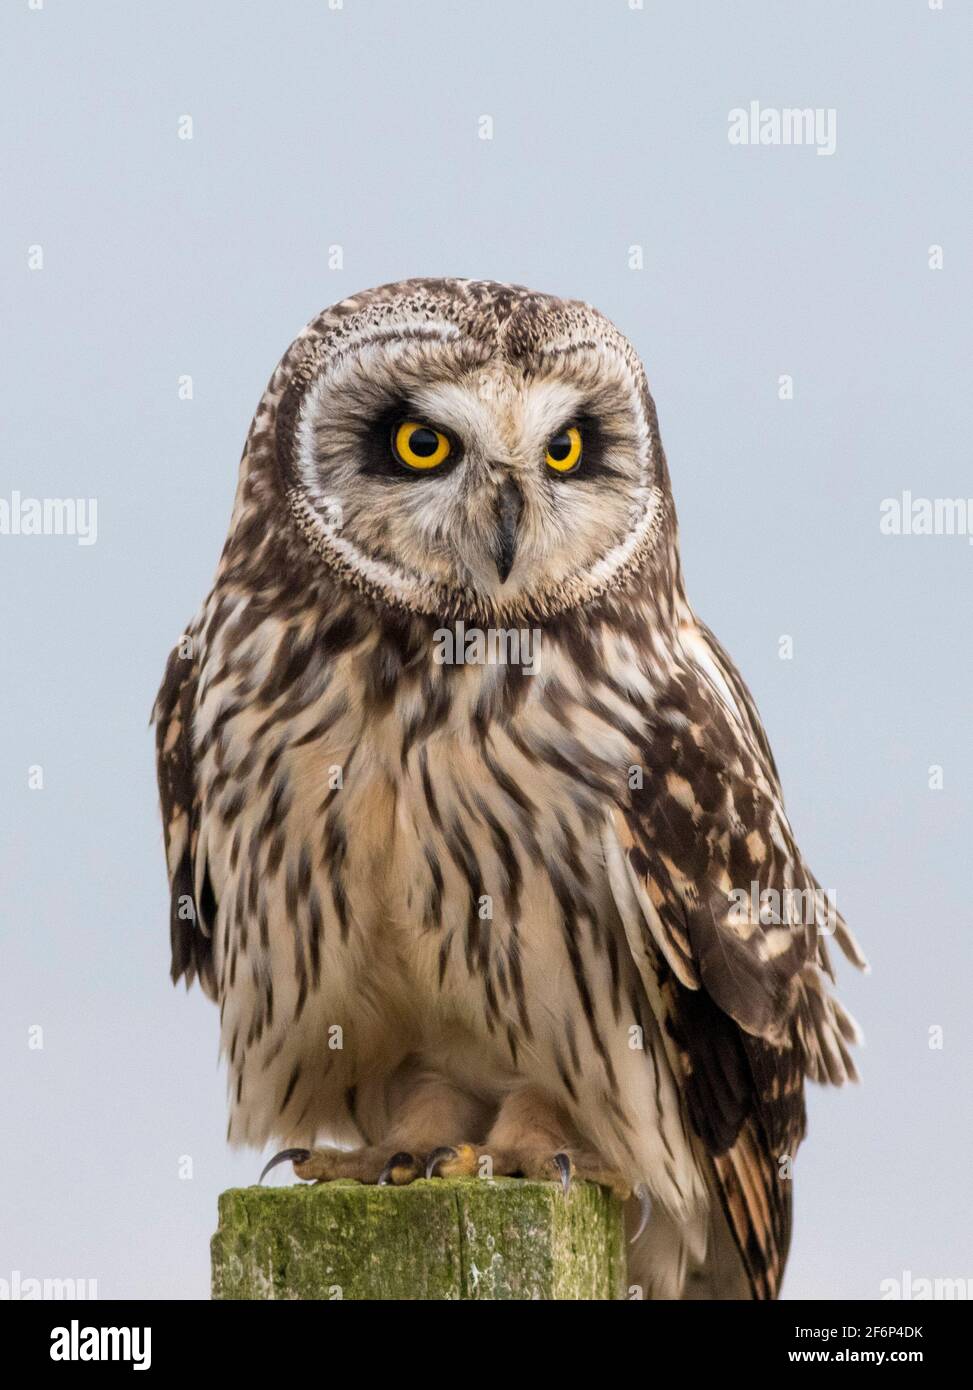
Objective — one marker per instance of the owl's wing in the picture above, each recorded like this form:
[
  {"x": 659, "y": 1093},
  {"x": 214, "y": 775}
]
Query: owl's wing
[
  {"x": 743, "y": 1003},
  {"x": 192, "y": 912}
]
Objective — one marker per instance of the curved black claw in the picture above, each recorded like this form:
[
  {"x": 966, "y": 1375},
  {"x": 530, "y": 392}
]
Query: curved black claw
[
  {"x": 645, "y": 1210},
  {"x": 397, "y": 1161},
  {"x": 563, "y": 1165},
  {"x": 286, "y": 1156},
  {"x": 437, "y": 1157}
]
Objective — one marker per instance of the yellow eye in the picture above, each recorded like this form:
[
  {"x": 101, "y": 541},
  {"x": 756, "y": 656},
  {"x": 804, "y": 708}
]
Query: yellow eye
[
  {"x": 420, "y": 446},
  {"x": 564, "y": 450}
]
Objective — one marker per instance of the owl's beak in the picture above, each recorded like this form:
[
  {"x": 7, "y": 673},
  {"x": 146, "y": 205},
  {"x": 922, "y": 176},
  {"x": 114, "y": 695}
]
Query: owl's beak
[{"x": 510, "y": 504}]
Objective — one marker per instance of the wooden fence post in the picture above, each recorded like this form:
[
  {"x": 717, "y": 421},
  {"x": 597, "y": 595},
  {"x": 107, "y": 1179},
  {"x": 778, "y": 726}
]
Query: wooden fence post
[{"x": 463, "y": 1238}]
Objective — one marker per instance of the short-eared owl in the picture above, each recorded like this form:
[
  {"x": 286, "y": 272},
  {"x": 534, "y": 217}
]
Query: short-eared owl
[{"x": 472, "y": 827}]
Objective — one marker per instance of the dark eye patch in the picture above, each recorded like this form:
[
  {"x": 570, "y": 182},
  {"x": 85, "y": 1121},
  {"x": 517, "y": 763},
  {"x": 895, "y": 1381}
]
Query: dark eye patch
[
  {"x": 379, "y": 455},
  {"x": 595, "y": 441}
]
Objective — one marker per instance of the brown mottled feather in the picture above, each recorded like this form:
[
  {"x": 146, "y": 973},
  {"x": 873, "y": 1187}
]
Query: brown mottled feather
[
  {"x": 189, "y": 930},
  {"x": 745, "y": 1006}
]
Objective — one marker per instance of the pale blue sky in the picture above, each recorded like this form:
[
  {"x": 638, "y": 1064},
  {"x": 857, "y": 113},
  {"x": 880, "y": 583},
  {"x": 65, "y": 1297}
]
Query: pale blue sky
[{"x": 165, "y": 257}]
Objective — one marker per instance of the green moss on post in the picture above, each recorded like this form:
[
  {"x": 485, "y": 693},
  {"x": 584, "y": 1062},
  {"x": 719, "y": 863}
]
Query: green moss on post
[{"x": 463, "y": 1238}]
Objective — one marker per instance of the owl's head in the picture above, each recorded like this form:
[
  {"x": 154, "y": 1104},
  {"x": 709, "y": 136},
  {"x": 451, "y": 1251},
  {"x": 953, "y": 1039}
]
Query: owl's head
[{"x": 454, "y": 445}]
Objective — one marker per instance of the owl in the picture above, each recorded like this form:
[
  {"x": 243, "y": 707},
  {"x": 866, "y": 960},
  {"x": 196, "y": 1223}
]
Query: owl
[{"x": 472, "y": 828}]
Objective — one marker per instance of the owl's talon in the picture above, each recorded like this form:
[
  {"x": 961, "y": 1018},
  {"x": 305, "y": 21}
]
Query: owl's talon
[
  {"x": 565, "y": 1168},
  {"x": 437, "y": 1157},
  {"x": 285, "y": 1156},
  {"x": 645, "y": 1210},
  {"x": 453, "y": 1161},
  {"x": 401, "y": 1169}
]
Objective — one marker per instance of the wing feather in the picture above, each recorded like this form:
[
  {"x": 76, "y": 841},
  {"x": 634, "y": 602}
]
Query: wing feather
[
  {"x": 741, "y": 995},
  {"x": 192, "y": 911}
]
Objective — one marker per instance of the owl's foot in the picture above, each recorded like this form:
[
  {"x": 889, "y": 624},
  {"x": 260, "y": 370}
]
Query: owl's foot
[
  {"x": 368, "y": 1165},
  {"x": 472, "y": 1161}
]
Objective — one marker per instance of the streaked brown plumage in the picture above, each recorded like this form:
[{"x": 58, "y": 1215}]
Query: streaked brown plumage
[{"x": 447, "y": 905}]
